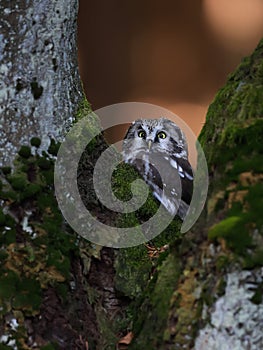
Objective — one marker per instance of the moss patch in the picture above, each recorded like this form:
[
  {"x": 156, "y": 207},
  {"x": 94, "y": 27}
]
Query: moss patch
[
  {"x": 241, "y": 229},
  {"x": 133, "y": 268},
  {"x": 25, "y": 152},
  {"x": 235, "y": 116},
  {"x": 234, "y": 232},
  {"x": 35, "y": 141},
  {"x": 36, "y": 247},
  {"x": 150, "y": 322}
]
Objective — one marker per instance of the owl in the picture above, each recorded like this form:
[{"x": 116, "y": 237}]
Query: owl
[{"x": 157, "y": 148}]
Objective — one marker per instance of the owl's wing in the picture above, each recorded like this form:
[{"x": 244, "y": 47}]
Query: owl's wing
[
  {"x": 174, "y": 186},
  {"x": 186, "y": 175}
]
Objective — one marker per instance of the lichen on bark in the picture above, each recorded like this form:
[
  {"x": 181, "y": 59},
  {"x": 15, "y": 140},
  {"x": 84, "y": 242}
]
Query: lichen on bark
[{"x": 40, "y": 84}]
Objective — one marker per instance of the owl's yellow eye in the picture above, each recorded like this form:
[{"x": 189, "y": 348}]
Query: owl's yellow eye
[
  {"x": 141, "y": 133},
  {"x": 161, "y": 135}
]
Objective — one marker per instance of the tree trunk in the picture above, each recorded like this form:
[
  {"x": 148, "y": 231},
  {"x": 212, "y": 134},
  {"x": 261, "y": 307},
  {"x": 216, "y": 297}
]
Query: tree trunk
[
  {"x": 40, "y": 84},
  {"x": 42, "y": 292},
  {"x": 208, "y": 290}
]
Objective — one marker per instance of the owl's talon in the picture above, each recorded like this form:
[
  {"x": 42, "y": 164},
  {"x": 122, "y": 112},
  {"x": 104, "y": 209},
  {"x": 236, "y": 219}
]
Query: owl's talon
[{"x": 154, "y": 252}]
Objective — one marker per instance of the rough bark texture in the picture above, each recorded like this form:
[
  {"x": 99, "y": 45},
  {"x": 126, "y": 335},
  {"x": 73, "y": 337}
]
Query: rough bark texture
[
  {"x": 42, "y": 291},
  {"x": 40, "y": 85},
  {"x": 232, "y": 140}
]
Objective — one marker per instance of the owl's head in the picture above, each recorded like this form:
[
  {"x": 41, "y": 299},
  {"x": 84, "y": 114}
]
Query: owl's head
[{"x": 155, "y": 135}]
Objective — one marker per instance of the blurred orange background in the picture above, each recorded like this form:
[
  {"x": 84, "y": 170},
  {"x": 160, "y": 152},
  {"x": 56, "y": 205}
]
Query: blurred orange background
[{"x": 173, "y": 53}]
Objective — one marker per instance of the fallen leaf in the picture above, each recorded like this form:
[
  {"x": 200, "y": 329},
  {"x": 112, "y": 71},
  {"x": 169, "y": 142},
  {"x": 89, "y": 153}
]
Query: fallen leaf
[{"x": 125, "y": 341}]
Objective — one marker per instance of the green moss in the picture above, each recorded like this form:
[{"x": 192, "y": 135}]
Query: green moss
[
  {"x": 8, "y": 284},
  {"x": 25, "y": 152},
  {"x": 133, "y": 266},
  {"x": 54, "y": 147},
  {"x": 10, "y": 221},
  {"x": 2, "y": 218},
  {"x": 48, "y": 176},
  {"x": 221, "y": 287},
  {"x": 255, "y": 202},
  {"x": 49, "y": 347},
  {"x": 171, "y": 235},
  {"x": 122, "y": 178},
  {"x": 258, "y": 296},
  {"x": 150, "y": 322},
  {"x": 169, "y": 273},
  {"x": 125, "y": 187},
  {"x": 62, "y": 290},
  {"x": 234, "y": 231},
  {"x": 3, "y": 255},
  {"x": 83, "y": 110},
  {"x": 46, "y": 200},
  {"x": 31, "y": 190},
  {"x": 87, "y": 131},
  {"x": 27, "y": 295},
  {"x": 234, "y": 119},
  {"x": 18, "y": 181},
  {"x": 239, "y": 228},
  {"x": 5, "y": 347},
  {"x": 59, "y": 260},
  {"x": 6, "y": 170},
  {"x": 27, "y": 301},
  {"x": 207, "y": 297},
  {"x": 243, "y": 164},
  {"x": 108, "y": 339},
  {"x": 222, "y": 263},
  {"x": 132, "y": 271},
  {"x": 241, "y": 146},
  {"x": 42, "y": 259},
  {"x": 36, "y": 89},
  {"x": 44, "y": 163},
  {"x": 9, "y": 195},
  {"x": 253, "y": 260},
  {"x": 32, "y": 183},
  {"x": 220, "y": 204},
  {"x": 246, "y": 101},
  {"x": 248, "y": 138},
  {"x": 91, "y": 145},
  {"x": 35, "y": 141},
  {"x": 8, "y": 237}
]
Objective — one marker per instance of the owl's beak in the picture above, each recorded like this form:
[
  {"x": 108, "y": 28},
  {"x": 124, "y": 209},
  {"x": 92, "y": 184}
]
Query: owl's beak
[{"x": 149, "y": 144}]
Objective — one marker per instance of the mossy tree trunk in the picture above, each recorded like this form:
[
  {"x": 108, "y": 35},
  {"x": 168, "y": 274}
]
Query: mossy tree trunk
[
  {"x": 41, "y": 290},
  {"x": 207, "y": 293}
]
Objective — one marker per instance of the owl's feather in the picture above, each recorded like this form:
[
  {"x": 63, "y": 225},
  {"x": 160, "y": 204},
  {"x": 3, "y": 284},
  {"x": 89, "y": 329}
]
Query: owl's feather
[{"x": 172, "y": 185}]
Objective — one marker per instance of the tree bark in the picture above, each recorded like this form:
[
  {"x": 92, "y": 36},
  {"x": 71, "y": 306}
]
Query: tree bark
[
  {"x": 40, "y": 84},
  {"x": 42, "y": 292}
]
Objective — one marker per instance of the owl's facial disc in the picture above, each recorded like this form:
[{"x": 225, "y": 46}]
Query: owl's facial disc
[{"x": 151, "y": 138}]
